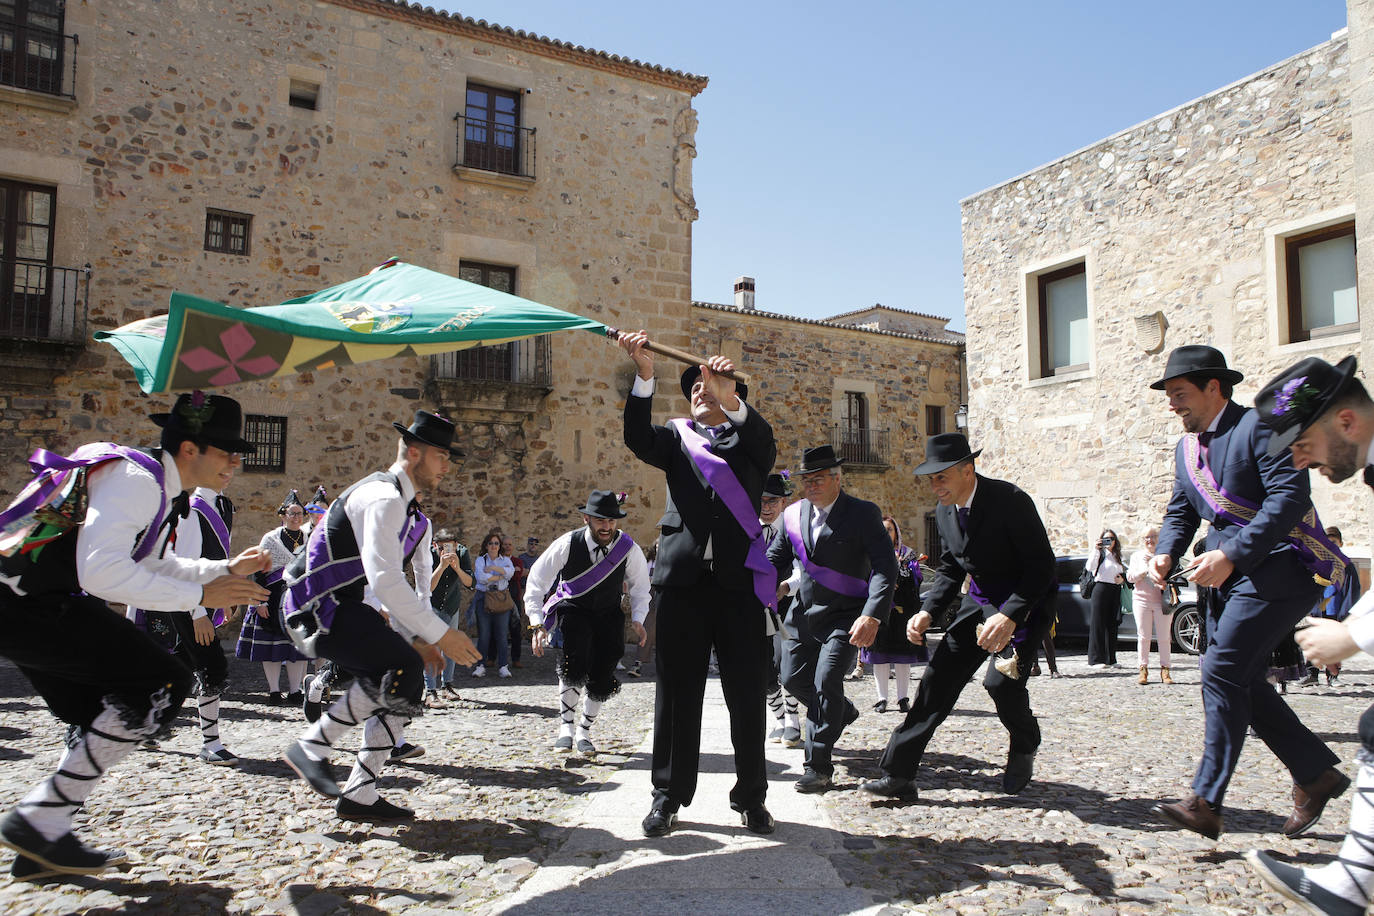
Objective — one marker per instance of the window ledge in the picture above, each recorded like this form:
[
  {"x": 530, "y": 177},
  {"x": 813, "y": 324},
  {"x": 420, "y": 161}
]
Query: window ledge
[
  {"x": 1060, "y": 379},
  {"x": 1316, "y": 344},
  {"x": 496, "y": 179},
  {"x": 34, "y": 99},
  {"x": 487, "y": 400}
]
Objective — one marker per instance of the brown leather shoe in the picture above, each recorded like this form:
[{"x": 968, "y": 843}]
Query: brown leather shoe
[
  {"x": 1165, "y": 677},
  {"x": 1144, "y": 675},
  {"x": 1191, "y": 814},
  {"x": 1309, "y": 800}
]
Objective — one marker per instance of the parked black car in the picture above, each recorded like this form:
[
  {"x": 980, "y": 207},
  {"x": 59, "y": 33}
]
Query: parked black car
[{"x": 1074, "y": 611}]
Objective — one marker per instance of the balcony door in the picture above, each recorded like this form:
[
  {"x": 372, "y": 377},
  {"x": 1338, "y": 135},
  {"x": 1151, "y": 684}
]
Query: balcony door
[
  {"x": 26, "y": 242},
  {"x": 31, "y": 44}
]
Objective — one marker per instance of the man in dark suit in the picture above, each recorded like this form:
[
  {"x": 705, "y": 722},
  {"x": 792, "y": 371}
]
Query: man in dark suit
[
  {"x": 1324, "y": 417},
  {"x": 1224, "y": 473},
  {"x": 992, "y": 532},
  {"x": 848, "y": 573},
  {"x": 713, "y": 577}
]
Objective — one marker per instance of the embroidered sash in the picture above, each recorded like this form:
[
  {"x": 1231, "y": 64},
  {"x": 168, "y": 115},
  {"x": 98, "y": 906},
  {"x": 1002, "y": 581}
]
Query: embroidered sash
[
  {"x": 726, "y": 485},
  {"x": 584, "y": 582},
  {"x": 1316, "y": 551},
  {"x": 851, "y": 586},
  {"x": 210, "y": 513}
]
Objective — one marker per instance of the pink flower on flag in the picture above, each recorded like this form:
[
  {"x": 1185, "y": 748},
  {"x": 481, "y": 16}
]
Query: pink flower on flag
[{"x": 237, "y": 342}]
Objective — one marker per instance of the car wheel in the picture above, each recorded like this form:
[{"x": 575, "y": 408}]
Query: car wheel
[{"x": 1187, "y": 628}]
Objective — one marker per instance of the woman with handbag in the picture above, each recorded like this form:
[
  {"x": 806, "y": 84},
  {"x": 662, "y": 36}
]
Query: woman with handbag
[
  {"x": 492, "y": 604},
  {"x": 1109, "y": 572},
  {"x": 1151, "y": 616}
]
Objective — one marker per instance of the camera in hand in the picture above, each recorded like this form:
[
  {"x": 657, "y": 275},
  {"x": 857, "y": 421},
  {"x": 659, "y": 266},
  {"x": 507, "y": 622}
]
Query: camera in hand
[{"x": 1105, "y": 543}]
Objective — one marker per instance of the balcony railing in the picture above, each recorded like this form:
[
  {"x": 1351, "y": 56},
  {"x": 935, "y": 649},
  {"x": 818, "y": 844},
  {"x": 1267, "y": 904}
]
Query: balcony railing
[
  {"x": 520, "y": 362},
  {"x": 37, "y": 59},
  {"x": 859, "y": 445},
  {"x": 42, "y": 302},
  {"x": 503, "y": 148}
]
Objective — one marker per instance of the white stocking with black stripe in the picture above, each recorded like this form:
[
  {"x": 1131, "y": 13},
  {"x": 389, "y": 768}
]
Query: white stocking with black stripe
[
  {"x": 50, "y": 807},
  {"x": 590, "y": 709},
  {"x": 775, "y": 703},
  {"x": 381, "y": 733},
  {"x": 209, "y": 722},
  {"x": 1352, "y": 874},
  {"x": 345, "y": 713},
  {"x": 568, "y": 698}
]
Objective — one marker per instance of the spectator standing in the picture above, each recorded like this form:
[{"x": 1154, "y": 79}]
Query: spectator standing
[
  {"x": 892, "y": 649},
  {"x": 452, "y": 567},
  {"x": 1109, "y": 572},
  {"x": 493, "y": 573},
  {"x": 261, "y": 638},
  {"x": 1148, "y": 606}
]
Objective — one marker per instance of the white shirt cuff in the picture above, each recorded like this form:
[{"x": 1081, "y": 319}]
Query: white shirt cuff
[{"x": 642, "y": 388}]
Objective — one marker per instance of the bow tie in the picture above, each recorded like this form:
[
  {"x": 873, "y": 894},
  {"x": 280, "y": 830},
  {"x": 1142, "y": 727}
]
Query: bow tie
[
  {"x": 413, "y": 509},
  {"x": 180, "y": 506},
  {"x": 718, "y": 432},
  {"x": 601, "y": 551},
  {"x": 1369, "y": 474}
]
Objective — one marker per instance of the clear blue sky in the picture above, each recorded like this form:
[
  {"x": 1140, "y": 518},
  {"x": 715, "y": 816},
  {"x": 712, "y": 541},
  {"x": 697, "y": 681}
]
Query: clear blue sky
[{"x": 836, "y": 139}]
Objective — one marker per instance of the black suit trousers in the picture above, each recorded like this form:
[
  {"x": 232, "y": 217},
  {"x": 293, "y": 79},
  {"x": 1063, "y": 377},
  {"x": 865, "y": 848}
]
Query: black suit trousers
[
  {"x": 691, "y": 620},
  {"x": 953, "y": 664}
]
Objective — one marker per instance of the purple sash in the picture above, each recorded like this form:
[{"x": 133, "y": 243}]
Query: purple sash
[
  {"x": 721, "y": 479},
  {"x": 586, "y": 581},
  {"x": 207, "y": 509},
  {"x": 1316, "y": 551},
  {"x": 851, "y": 586}
]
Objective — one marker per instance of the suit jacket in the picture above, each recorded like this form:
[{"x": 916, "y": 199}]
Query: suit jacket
[
  {"x": 1005, "y": 549},
  {"x": 694, "y": 513},
  {"x": 852, "y": 541},
  {"x": 1238, "y": 460}
]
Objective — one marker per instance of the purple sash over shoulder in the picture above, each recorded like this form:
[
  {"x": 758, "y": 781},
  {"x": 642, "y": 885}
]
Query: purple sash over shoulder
[
  {"x": 726, "y": 485},
  {"x": 1316, "y": 551},
  {"x": 207, "y": 509},
  {"x": 836, "y": 581},
  {"x": 586, "y": 581}
]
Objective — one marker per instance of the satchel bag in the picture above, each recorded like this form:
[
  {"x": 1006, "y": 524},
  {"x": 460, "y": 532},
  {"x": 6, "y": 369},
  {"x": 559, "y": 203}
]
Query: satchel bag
[
  {"x": 498, "y": 601},
  {"x": 1087, "y": 582}
]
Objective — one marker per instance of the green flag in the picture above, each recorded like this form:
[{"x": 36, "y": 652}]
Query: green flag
[{"x": 396, "y": 310}]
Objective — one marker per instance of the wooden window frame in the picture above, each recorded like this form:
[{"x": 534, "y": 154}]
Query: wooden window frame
[
  {"x": 936, "y": 413},
  {"x": 268, "y": 433},
  {"x": 36, "y": 308},
  {"x": 227, "y": 219},
  {"x": 1292, "y": 247},
  {"x": 488, "y": 155},
  {"x": 1042, "y": 304}
]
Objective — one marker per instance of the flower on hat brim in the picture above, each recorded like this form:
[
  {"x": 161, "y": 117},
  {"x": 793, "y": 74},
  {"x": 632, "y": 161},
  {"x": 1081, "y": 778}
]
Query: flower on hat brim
[{"x": 1296, "y": 395}]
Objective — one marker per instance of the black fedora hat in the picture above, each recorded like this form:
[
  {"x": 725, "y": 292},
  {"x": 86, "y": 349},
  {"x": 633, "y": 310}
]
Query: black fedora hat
[
  {"x": 431, "y": 429},
  {"x": 602, "y": 504},
  {"x": 1197, "y": 359},
  {"x": 779, "y": 485},
  {"x": 818, "y": 459},
  {"x": 945, "y": 451},
  {"x": 692, "y": 373},
  {"x": 1297, "y": 397},
  {"x": 208, "y": 419}
]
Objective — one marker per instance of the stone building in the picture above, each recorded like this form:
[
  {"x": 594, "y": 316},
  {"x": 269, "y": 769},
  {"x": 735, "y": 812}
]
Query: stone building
[
  {"x": 252, "y": 153},
  {"x": 1230, "y": 220}
]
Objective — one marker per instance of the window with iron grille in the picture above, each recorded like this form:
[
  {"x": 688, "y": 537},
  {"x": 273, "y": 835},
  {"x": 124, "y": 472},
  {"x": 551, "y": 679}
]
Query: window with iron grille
[
  {"x": 226, "y": 232},
  {"x": 525, "y": 362},
  {"x": 32, "y": 44},
  {"x": 268, "y": 434},
  {"x": 491, "y": 133},
  {"x": 935, "y": 420},
  {"x": 26, "y": 243}
]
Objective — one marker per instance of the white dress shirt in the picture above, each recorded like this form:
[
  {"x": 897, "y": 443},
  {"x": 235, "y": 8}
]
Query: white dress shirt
[
  {"x": 190, "y": 538},
  {"x": 377, "y": 514},
  {"x": 544, "y": 574},
  {"x": 123, "y": 498}
]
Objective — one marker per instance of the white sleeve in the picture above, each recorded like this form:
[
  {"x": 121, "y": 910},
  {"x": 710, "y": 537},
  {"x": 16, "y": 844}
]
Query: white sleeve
[
  {"x": 1360, "y": 623},
  {"x": 542, "y": 575},
  {"x": 642, "y": 388},
  {"x": 637, "y": 576},
  {"x": 422, "y": 564},
  {"x": 123, "y": 498},
  {"x": 378, "y": 514}
]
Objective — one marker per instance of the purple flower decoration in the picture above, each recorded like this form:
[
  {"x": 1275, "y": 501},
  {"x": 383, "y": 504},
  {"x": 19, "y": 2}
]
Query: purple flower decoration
[
  {"x": 195, "y": 411},
  {"x": 786, "y": 474},
  {"x": 620, "y": 497},
  {"x": 1296, "y": 394}
]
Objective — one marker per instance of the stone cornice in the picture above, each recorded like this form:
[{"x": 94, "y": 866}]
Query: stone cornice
[
  {"x": 953, "y": 338},
  {"x": 481, "y": 30}
]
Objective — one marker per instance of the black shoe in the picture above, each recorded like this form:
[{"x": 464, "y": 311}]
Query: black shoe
[
  {"x": 792, "y": 736},
  {"x": 893, "y": 787},
  {"x": 757, "y": 820},
  {"x": 851, "y": 716},
  {"x": 1018, "y": 772},
  {"x": 65, "y": 854},
  {"x": 660, "y": 819},
  {"x": 26, "y": 869},
  {"x": 904, "y": 704},
  {"x": 880, "y": 706},
  {"x": 406, "y": 751},
  {"x": 812, "y": 781},
  {"x": 318, "y": 773},
  {"x": 633, "y": 671},
  {"x": 1294, "y": 884},
  {"x": 295, "y": 698},
  {"x": 775, "y": 736},
  {"x": 379, "y": 812},
  {"x": 274, "y": 698}
]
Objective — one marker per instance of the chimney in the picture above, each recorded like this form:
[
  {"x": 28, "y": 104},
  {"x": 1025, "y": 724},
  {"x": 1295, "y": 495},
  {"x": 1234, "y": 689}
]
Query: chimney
[{"x": 744, "y": 293}]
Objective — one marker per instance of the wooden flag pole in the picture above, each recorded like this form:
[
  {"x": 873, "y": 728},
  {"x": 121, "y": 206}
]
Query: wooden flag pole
[{"x": 681, "y": 356}]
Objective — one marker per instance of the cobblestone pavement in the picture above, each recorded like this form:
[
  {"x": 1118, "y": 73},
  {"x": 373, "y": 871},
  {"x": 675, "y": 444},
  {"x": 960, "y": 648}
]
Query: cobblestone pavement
[{"x": 493, "y": 799}]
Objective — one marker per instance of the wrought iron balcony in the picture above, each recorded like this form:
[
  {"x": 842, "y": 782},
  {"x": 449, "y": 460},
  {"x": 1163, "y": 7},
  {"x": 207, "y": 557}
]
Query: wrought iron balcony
[
  {"x": 859, "y": 445},
  {"x": 520, "y": 362},
  {"x": 495, "y": 147},
  {"x": 42, "y": 302},
  {"x": 38, "y": 58}
]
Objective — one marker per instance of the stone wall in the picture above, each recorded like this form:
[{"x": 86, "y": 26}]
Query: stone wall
[{"x": 1175, "y": 215}]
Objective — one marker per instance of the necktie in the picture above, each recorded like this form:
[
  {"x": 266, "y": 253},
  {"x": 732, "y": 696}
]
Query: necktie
[
  {"x": 177, "y": 509},
  {"x": 818, "y": 523},
  {"x": 600, "y": 552},
  {"x": 1203, "y": 441},
  {"x": 962, "y": 512},
  {"x": 1369, "y": 474},
  {"x": 768, "y": 532}
]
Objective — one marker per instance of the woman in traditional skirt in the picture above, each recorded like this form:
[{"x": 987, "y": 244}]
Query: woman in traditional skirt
[
  {"x": 891, "y": 647},
  {"x": 261, "y": 639}
]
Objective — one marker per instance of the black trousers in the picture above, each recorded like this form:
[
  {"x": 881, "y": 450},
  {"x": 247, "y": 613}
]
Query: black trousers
[
  {"x": 691, "y": 620},
  {"x": 380, "y": 659},
  {"x": 955, "y": 660},
  {"x": 813, "y": 668},
  {"x": 1102, "y": 624},
  {"x": 177, "y": 632},
  {"x": 593, "y": 642},
  {"x": 80, "y": 656}
]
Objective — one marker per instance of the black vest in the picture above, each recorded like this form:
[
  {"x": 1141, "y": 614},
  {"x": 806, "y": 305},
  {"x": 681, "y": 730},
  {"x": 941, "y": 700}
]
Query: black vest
[{"x": 604, "y": 597}]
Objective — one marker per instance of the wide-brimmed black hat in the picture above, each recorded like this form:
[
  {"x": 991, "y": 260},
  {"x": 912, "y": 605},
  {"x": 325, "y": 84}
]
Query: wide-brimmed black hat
[
  {"x": 432, "y": 429},
  {"x": 207, "y": 419},
  {"x": 602, "y": 504},
  {"x": 818, "y": 459},
  {"x": 779, "y": 485},
  {"x": 692, "y": 373},
  {"x": 945, "y": 451},
  {"x": 1197, "y": 359},
  {"x": 1297, "y": 397}
]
